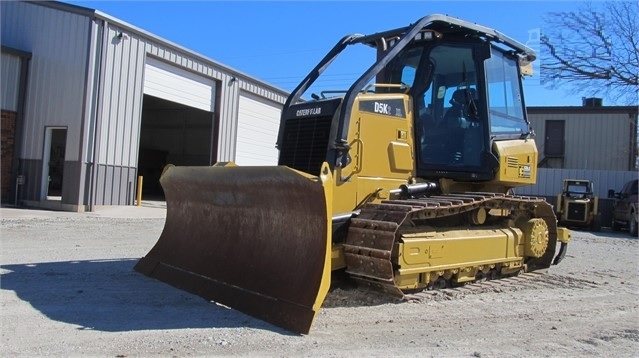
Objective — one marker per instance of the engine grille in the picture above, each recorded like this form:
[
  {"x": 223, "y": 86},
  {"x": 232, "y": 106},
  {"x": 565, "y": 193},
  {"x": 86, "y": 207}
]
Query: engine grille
[
  {"x": 305, "y": 143},
  {"x": 577, "y": 211}
]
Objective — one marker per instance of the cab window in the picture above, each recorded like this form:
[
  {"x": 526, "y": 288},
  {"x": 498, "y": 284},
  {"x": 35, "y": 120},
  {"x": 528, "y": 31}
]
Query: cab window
[{"x": 505, "y": 103}]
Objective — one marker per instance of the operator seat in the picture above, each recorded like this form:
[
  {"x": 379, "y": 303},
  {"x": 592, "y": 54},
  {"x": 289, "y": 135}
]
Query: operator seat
[
  {"x": 460, "y": 101},
  {"x": 465, "y": 130}
]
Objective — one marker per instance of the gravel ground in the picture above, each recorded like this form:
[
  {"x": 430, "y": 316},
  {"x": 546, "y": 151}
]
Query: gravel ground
[{"x": 68, "y": 288}]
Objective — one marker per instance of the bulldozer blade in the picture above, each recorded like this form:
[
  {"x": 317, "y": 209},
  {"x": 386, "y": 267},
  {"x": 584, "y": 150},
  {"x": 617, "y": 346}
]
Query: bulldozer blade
[{"x": 256, "y": 239}]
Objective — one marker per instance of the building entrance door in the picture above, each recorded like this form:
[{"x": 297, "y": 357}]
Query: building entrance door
[{"x": 55, "y": 142}]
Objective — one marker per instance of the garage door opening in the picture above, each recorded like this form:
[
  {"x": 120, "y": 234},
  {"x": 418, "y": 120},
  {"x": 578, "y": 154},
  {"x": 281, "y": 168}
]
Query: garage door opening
[{"x": 172, "y": 133}]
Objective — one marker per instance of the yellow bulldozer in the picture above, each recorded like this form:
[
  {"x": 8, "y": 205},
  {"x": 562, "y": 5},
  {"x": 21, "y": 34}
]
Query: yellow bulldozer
[{"x": 403, "y": 181}]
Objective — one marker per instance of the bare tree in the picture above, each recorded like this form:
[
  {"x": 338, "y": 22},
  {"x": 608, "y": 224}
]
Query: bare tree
[{"x": 593, "y": 51}]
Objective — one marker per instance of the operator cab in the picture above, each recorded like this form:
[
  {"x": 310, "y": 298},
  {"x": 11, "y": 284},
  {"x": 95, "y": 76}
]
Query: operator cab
[
  {"x": 462, "y": 80},
  {"x": 578, "y": 189},
  {"x": 451, "y": 82}
]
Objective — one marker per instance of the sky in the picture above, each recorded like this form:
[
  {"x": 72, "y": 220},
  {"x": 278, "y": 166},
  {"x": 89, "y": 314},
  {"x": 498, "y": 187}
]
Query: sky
[{"x": 279, "y": 42}]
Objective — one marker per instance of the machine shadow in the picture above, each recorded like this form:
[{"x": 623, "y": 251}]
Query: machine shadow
[{"x": 108, "y": 295}]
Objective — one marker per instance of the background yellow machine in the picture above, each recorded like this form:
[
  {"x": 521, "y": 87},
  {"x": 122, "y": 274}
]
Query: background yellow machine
[
  {"x": 578, "y": 206},
  {"x": 402, "y": 180}
]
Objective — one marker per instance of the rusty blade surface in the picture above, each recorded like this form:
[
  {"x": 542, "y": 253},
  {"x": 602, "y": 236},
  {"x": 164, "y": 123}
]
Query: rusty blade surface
[{"x": 252, "y": 238}]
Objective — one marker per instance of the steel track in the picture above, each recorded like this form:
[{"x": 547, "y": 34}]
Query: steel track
[{"x": 373, "y": 233}]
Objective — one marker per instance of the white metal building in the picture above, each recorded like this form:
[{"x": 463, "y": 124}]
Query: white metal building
[
  {"x": 90, "y": 102},
  {"x": 592, "y": 137},
  {"x": 592, "y": 142}
]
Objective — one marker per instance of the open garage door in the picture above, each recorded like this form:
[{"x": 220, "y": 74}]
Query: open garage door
[
  {"x": 257, "y": 129},
  {"x": 172, "y": 133},
  {"x": 177, "y": 123},
  {"x": 168, "y": 82}
]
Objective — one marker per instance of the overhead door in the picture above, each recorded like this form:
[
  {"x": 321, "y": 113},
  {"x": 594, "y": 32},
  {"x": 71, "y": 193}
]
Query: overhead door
[
  {"x": 257, "y": 129},
  {"x": 177, "y": 85}
]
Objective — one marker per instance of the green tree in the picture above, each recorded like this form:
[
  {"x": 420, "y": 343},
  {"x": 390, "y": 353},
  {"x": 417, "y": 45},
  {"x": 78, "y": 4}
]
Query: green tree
[{"x": 593, "y": 51}]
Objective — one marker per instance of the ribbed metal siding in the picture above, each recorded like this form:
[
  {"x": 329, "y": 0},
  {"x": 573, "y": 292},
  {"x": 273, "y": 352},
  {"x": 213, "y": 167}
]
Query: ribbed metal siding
[
  {"x": 121, "y": 98},
  {"x": 550, "y": 181},
  {"x": 10, "y": 75},
  {"x": 58, "y": 41},
  {"x": 598, "y": 141},
  {"x": 227, "y": 94},
  {"x": 63, "y": 56},
  {"x": 118, "y": 116}
]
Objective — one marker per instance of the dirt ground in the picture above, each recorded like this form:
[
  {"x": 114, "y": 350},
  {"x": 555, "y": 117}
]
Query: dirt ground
[{"x": 68, "y": 288}]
